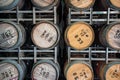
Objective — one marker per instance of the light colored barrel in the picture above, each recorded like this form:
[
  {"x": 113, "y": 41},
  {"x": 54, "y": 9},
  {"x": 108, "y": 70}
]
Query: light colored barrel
[
  {"x": 12, "y": 35},
  {"x": 110, "y": 35},
  {"x": 109, "y": 71},
  {"x": 44, "y": 4},
  {"x": 9, "y": 4},
  {"x": 79, "y": 35},
  {"x": 11, "y": 70},
  {"x": 45, "y": 70},
  {"x": 45, "y": 35},
  {"x": 115, "y": 4},
  {"x": 78, "y": 70},
  {"x": 80, "y": 4}
]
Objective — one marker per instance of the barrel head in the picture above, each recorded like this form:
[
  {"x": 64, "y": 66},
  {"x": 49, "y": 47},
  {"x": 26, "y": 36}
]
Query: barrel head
[
  {"x": 113, "y": 72},
  {"x": 8, "y": 4},
  {"x": 79, "y": 71},
  {"x": 43, "y": 3},
  {"x": 8, "y": 72},
  {"x": 44, "y": 71},
  {"x": 45, "y": 35},
  {"x": 115, "y": 3},
  {"x": 8, "y": 35},
  {"x": 5, "y": 2},
  {"x": 113, "y": 36},
  {"x": 79, "y": 35}
]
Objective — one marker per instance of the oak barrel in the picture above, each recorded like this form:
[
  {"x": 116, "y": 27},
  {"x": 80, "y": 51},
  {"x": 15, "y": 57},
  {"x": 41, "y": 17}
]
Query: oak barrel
[
  {"x": 11, "y": 70},
  {"x": 110, "y": 35},
  {"x": 78, "y": 70},
  {"x": 45, "y": 70},
  {"x": 115, "y": 4},
  {"x": 79, "y": 35},
  {"x": 110, "y": 71},
  {"x": 10, "y": 4},
  {"x": 80, "y": 4},
  {"x": 45, "y": 35},
  {"x": 44, "y": 4},
  {"x": 12, "y": 35}
]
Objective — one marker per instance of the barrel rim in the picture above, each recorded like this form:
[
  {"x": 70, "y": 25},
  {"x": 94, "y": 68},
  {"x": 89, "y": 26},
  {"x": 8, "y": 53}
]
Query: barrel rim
[
  {"x": 17, "y": 29},
  {"x": 50, "y": 62},
  {"x": 109, "y": 27},
  {"x": 79, "y": 9},
  {"x": 108, "y": 66},
  {"x": 78, "y": 62},
  {"x": 54, "y": 26},
  {"x": 10, "y": 6},
  {"x": 16, "y": 65},
  {"x": 47, "y": 7},
  {"x": 112, "y": 6},
  {"x": 67, "y": 29}
]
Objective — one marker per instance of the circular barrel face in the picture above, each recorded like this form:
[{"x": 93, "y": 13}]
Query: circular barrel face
[
  {"x": 43, "y": 3},
  {"x": 79, "y": 71},
  {"x": 5, "y": 2},
  {"x": 113, "y": 73},
  {"x": 8, "y": 72},
  {"x": 113, "y": 36},
  {"x": 44, "y": 71},
  {"x": 79, "y": 35},
  {"x": 82, "y": 3},
  {"x": 44, "y": 35},
  {"x": 115, "y": 3},
  {"x": 8, "y": 35}
]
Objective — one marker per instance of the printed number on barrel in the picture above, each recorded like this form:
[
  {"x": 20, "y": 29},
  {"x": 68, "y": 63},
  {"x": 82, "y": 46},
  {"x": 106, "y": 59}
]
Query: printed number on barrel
[
  {"x": 117, "y": 35},
  {"x": 82, "y": 74},
  {"x": 82, "y": 34},
  {"x": 7, "y": 74},
  {"x": 7, "y": 34},
  {"x": 115, "y": 75},
  {"x": 43, "y": 72},
  {"x": 46, "y": 36}
]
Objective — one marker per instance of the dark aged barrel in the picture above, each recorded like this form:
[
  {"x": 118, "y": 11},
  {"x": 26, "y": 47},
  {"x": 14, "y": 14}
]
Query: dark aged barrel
[
  {"x": 12, "y": 35},
  {"x": 10, "y": 4},
  {"x": 44, "y": 4},
  {"x": 45, "y": 70},
  {"x": 110, "y": 71},
  {"x": 110, "y": 36},
  {"x": 11, "y": 70},
  {"x": 115, "y": 4},
  {"x": 45, "y": 35},
  {"x": 80, "y": 4},
  {"x": 78, "y": 70},
  {"x": 79, "y": 35}
]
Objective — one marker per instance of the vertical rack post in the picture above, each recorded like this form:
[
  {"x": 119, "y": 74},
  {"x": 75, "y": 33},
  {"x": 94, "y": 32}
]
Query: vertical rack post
[
  {"x": 108, "y": 16},
  {"x": 55, "y": 22},
  {"x": 106, "y": 59},
  {"x": 34, "y": 15},
  {"x": 19, "y": 52},
  {"x": 35, "y": 54},
  {"x": 17, "y": 12},
  {"x": 91, "y": 15},
  {"x": 69, "y": 54},
  {"x": 90, "y": 54}
]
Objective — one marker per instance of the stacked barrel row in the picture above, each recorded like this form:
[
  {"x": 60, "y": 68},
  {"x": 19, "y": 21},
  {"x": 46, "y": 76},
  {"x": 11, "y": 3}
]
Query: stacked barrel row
[
  {"x": 81, "y": 70},
  {"x": 43, "y": 69},
  {"x": 44, "y": 35},
  {"x": 81, "y": 35}
]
